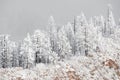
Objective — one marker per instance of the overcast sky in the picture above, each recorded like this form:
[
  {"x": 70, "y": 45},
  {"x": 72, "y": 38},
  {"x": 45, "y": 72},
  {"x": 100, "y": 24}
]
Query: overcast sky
[{"x": 17, "y": 17}]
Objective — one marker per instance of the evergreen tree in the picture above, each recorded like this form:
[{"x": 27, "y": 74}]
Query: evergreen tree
[
  {"x": 64, "y": 48},
  {"x": 30, "y": 54},
  {"x": 92, "y": 36},
  {"x": 15, "y": 55},
  {"x": 52, "y": 33},
  {"x": 110, "y": 23},
  {"x": 41, "y": 46},
  {"x": 70, "y": 35},
  {"x": 5, "y": 54},
  {"x": 81, "y": 35}
]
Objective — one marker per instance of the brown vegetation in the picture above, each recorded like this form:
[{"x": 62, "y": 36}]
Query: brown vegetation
[{"x": 111, "y": 64}]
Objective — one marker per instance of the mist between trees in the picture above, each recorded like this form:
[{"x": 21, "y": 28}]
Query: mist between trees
[{"x": 80, "y": 38}]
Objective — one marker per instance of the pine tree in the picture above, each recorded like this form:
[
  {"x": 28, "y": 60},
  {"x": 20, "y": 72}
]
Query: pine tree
[
  {"x": 41, "y": 46},
  {"x": 64, "y": 48},
  {"x": 70, "y": 35},
  {"x": 92, "y": 36},
  {"x": 52, "y": 33},
  {"x": 19, "y": 53},
  {"x": 99, "y": 22},
  {"x": 5, "y": 54},
  {"x": 30, "y": 54},
  {"x": 23, "y": 56},
  {"x": 110, "y": 23},
  {"x": 81, "y": 35},
  {"x": 15, "y": 55}
]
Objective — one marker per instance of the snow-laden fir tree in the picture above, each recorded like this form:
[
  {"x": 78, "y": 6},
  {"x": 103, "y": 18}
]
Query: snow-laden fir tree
[
  {"x": 52, "y": 33},
  {"x": 15, "y": 55},
  {"x": 29, "y": 52},
  {"x": 19, "y": 53},
  {"x": 70, "y": 35},
  {"x": 96, "y": 20},
  {"x": 102, "y": 25},
  {"x": 26, "y": 53},
  {"x": 99, "y": 22},
  {"x": 64, "y": 48},
  {"x": 110, "y": 22},
  {"x": 81, "y": 35},
  {"x": 92, "y": 36},
  {"x": 41, "y": 46},
  {"x": 5, "y": 55},
  {"x": 23, "y": 56}
]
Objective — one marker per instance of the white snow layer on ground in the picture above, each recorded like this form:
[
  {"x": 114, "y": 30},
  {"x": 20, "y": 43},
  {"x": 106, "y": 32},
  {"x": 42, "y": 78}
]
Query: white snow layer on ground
[{"x": 97, "y": 66}]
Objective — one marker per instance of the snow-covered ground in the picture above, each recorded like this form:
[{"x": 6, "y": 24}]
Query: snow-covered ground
[{"x": 97, "y": 66}]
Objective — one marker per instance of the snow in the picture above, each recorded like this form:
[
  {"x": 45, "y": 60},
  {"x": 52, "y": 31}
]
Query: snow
[
  {"x": 87, "y": 50},
  {"x": 91, "y": 68}
]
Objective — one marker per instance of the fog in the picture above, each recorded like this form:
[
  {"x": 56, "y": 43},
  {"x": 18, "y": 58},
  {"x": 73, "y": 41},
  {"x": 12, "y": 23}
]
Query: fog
[{"x": 17, "y": 17}]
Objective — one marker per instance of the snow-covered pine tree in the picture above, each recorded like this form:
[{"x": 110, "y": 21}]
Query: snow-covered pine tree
[
  {"x": 92, "y": 36},
  {"x": 20, "y": 56},
  {"x": 23, "y": 57},
  {"x": 110, "y": 22},
  {"x": 99, "y": 22},
  {"x": 41, "y": 46},
  {"x": 96, "y": 20},
  {"x": 81, "y": 35},
  {"x": 30, "y": 54},
  {"x": 15, "y": 55},
  {"x": 52, "y": 33},
  {"x": 70, "y": 35},
  {"x": 64, "y": 48},
  {"x": 102, "y": 24},
  {"x": 5, "y": 55}
]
